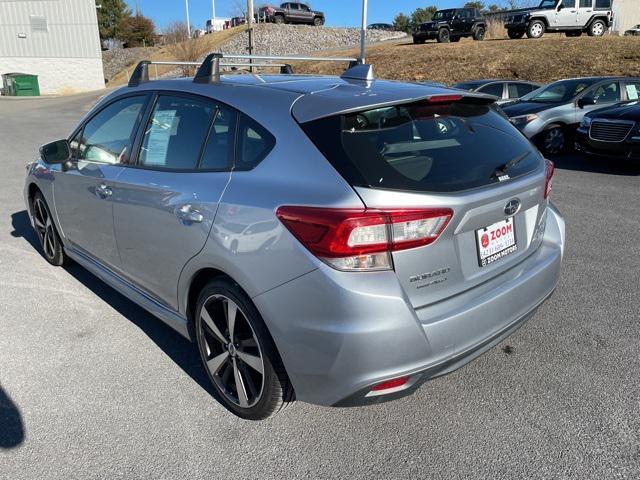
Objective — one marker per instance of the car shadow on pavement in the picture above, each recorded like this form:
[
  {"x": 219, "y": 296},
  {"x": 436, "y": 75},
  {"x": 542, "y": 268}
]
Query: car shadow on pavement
[
  {"x": 11, "y": 426},
  {"x": 177, "y": 348},
  {"x": 606, "y": 165}
]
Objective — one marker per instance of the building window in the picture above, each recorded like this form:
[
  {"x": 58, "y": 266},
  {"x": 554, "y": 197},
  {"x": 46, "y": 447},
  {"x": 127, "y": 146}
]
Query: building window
[{"x": 38, "y": 23}]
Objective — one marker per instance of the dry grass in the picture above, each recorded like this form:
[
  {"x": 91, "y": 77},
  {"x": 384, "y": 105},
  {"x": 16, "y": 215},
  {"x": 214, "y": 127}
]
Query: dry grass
[
  {"x": 542, "y": 60},
  {"x": 186, "y": 51}
]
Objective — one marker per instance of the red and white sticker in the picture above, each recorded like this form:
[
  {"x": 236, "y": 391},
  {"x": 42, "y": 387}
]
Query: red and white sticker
[{"x": 496, "y": 241}]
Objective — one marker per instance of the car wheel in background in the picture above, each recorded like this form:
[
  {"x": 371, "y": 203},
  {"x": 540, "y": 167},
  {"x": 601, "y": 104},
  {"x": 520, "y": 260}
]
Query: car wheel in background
[
  {"x": 318, "y": 21},
  {"x": 46, "y": 230},
  {"x": 597, "y": 29},
  {"x": 444, "y": 35},
  {"x": 478, "y": 34},
  {"x": 553, "y": 140},
  {"x": 536, "y": 29},
  {"x": 238, "y": 353},
  {"x": 279, "y": 19},
  {"x": 573, "y": 34},
  {"x": 515, "y": 34}
]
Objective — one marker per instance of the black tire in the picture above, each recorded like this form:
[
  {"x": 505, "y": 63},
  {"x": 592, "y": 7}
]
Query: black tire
[
  {"x": 515, "y": 34},
  {"x": 536, "y": 29},
  {"x": 279, "y": 19},
  {"x": 318, "y": 21},
  {"x": 52, "y": 249},
  {"x": 553, "y": 140},
  {"x": 597, "y": 28},
  {"x": 454, "y": 39},
  {"x": 444, "y": 35},
  {"x": 573, "y": 33},
  {"x": 478, "y": 34},
  {"x": 251, "y": 342}
]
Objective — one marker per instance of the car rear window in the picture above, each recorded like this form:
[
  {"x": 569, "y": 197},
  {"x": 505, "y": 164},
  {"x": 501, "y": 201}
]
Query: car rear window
[{"x": 423, "y": 147}]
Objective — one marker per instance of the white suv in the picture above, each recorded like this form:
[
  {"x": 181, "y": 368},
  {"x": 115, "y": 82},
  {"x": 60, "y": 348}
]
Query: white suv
[{"x": 573, "y": 17}]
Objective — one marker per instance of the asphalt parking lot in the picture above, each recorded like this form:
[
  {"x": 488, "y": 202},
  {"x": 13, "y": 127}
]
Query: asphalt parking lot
[{"x": 92, "y": 386}]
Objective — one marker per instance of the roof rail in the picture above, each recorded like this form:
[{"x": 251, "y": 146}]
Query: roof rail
[{"x": 209, "y": 69}]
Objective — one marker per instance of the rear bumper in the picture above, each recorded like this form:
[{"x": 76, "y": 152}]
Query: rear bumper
[
  {"x": 339, "y": 334},
  {"x": 626, "y": 149}
]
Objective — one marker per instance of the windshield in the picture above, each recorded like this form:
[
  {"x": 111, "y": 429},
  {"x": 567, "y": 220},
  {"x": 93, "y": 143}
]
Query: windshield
[
  {"x": 423, "y": 147},
  {"x": 548, "y": 3},
  {"x": 442, "y": 14},
  {"x": 558, "y": 92}
]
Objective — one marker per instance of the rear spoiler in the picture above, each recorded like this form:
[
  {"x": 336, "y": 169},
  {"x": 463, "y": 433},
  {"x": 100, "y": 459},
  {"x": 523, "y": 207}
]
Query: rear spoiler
[{"x": 322, "y": 104}]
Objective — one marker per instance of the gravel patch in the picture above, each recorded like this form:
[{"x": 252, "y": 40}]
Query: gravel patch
[
  {"x": 116, "y": 60},
  {"x": 274, "y": 39}
]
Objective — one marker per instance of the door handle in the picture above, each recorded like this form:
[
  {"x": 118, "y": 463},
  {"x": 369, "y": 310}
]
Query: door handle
[
  {"x": 187, "y": 213},
  {"x": 103, "y": 191}
]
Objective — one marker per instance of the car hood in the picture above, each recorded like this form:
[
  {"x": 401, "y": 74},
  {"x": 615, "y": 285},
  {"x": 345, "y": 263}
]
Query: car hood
[
  {"x": 624, "y": 111},
  {"x": 525, "y": 108}
]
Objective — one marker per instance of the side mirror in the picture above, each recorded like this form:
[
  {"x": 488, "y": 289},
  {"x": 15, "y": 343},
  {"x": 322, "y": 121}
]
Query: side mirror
[
  {"x": 56, "y": 152},
  {"x": 584, "y": 101}
]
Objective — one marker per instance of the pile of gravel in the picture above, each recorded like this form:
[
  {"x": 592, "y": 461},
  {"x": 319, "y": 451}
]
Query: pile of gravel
[
  {"x": 116, "y": 60},
  {"x": 274, "y": 39}
]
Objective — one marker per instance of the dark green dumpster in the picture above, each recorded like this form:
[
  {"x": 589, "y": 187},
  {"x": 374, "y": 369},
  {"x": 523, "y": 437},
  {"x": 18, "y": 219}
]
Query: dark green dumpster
[{"x": 20, "y": 85}]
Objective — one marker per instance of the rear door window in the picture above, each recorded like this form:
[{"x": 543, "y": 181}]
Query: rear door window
[
  {"x": 176, "y": 133},
  {"x": 492, "y": 89},
  {"x": 424, "y": 147},
  {"x": 218, "y": 153}
]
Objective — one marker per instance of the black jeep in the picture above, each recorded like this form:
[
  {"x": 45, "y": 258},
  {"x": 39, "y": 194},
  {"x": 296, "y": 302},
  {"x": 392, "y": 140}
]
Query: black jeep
[{"x": 451, "y": 25}]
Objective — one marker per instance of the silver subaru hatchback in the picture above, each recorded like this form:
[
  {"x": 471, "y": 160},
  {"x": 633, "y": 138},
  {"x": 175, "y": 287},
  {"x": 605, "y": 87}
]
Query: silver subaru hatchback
[{"x": 327, "y": 239}]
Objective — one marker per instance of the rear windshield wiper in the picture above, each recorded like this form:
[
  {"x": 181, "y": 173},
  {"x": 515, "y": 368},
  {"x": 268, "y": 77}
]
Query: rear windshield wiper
[{"x": 502, "y": 170}]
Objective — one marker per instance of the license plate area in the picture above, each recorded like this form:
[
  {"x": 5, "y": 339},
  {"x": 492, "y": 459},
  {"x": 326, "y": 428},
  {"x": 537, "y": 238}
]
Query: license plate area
[{"x": 496, "y": 241}]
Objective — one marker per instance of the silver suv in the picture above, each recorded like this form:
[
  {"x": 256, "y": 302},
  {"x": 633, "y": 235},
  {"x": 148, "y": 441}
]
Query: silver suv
[
  {"x": 550, "y": 115},
  {"x": 573, "y": 17},
  {"x": 335, "y": 240}
]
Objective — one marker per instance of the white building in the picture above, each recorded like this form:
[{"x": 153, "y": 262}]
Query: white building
[
  {"x": 57, "y": 40},
  {"x": 626, "y": 15}
]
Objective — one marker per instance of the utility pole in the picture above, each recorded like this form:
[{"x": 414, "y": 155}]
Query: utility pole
[
  {"x": 186, "y": 3},
  {"x": 363, "y": 32},
  {"x": 213, "y": 19},
  {"x": 250, "y": 29}
]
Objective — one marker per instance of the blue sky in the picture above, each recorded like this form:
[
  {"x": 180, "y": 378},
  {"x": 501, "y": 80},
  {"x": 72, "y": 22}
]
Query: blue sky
[{"x": 338, "y": 12}]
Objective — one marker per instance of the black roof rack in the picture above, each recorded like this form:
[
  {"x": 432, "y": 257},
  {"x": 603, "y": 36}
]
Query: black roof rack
[{"x": 209, "y": 69}]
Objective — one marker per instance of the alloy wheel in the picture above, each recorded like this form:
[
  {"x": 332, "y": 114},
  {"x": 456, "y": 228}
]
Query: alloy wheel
[
  {"x": 44, "y": 228},
  {"x": 554, "y": 141},
  {"x": 232, "y": 351}
]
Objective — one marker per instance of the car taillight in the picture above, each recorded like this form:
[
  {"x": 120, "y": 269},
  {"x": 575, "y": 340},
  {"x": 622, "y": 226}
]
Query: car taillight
[
  {"x": 362, "y": 239},
  {"x": 548, "y": 184}
]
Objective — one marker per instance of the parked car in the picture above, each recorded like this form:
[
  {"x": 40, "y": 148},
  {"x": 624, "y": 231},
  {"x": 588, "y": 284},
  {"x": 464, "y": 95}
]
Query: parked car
[
  {"x": 613, "y": 131},
  {"x": 633, "y": 31},
  {"x": 504, "y": 90},
  {"x": 451, "y": 25},
  {"x": 381, "y": 26},
  {"x": 292, "y": 12},
  {"x": 550, "y": 115},
  {"x": 373, "y": 235},
  {"x": 573, "y": 17}
]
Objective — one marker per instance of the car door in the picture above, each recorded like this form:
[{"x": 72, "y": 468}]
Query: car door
[
  {"x": 602, "y": 95},
  {"x": 566, "y": 14},
  {"x": 83, "y": 191},
  {"x": 585, "y": 12},
  {"x": 457, "y": 21},
  {"x": 305, "y": 13},
  {"x": 165, "y": 204}
]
